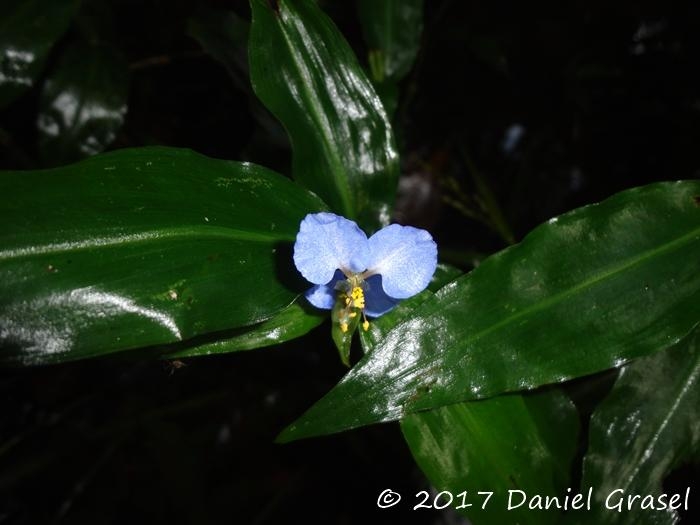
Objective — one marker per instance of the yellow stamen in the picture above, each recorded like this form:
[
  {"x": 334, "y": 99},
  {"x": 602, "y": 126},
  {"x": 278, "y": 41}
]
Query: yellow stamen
[
  {"x": 352, "y": 299},
  {"x": 358, "y": 297},
  {"x": 365, "y": 324}
]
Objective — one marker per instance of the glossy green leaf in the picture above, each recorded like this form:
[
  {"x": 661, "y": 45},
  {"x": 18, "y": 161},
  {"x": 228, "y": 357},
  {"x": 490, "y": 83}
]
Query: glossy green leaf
[
  {"x": 507, "y": 443},
  {"x": 471, "y": 446},
  {"x": 392, "y": 30},
  {"x": 142, "y": 247},
  {"x": 224, "y": 36},
  {"x": 292, "y": 322},
  {"x": 306, "y": 74},
  {"x": 28, "y": 29},
  {"x": 647, "y": 426},
  {"x": 584, "y": 292},
  {"x": 82, "y": 103}
]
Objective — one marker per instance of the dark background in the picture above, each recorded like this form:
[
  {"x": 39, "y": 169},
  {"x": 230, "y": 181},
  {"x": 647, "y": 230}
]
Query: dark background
[{"x": 606, "y": 97}]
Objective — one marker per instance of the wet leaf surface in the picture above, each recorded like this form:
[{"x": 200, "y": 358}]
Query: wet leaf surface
[
  {"x": 306, "y": 74},
  {"x": 82, "y": 103},
  {"x": 141, "y": 247},
  {"x": 28, "y": 30}
]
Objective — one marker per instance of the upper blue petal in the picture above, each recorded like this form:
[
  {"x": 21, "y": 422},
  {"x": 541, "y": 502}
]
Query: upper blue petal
[
  {"x": 327, "y": 242},
  {"x": 377, "y": 302},
  {"x": 324, "y": 295},
  {"x": 405, "y": 257}
]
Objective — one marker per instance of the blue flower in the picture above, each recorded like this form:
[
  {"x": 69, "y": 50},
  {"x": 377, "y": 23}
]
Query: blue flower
[{"x": 366, "y": 275}]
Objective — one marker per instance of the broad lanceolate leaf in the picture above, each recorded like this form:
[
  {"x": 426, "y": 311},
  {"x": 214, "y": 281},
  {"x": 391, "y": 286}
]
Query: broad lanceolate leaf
[
  {"x": 28, "y": 29},
  {"x": 82, "y": 104},
  {"x": 306, "y": 74},
  {"x": 648, "y": 425},
  {"x": 506, "y": 445},
  {"x": 223, "y": 35},
  {"x": 141, "y": 247},
  {"x": 586, "y": 291},
  {"x": 392, "y": 30}
]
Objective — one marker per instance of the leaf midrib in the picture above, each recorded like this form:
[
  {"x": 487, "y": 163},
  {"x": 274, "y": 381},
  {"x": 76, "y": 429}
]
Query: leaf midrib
[
  {"x": 317, "y": 115},
  {"x": 603, "y": 276},
  {"x": 195, "y": 233}
]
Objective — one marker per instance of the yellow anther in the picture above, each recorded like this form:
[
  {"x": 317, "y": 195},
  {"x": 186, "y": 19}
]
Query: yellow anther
[
  {"x": 358, "y": 297},
  {"x": 343, "y": 327},
  {"x": 353, "y": 314},
  {"x": 365, "y": 325}
]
